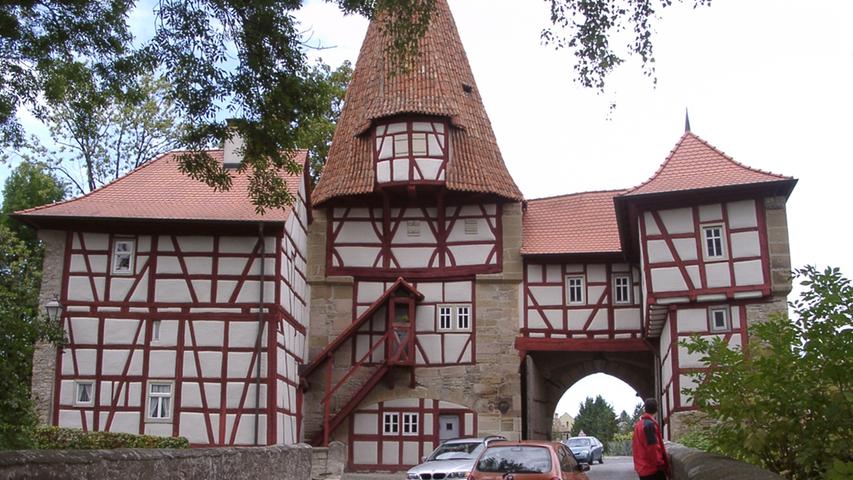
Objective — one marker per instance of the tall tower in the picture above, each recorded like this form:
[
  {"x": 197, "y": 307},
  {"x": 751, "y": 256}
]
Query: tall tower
[{"x": 415, "y": 265}]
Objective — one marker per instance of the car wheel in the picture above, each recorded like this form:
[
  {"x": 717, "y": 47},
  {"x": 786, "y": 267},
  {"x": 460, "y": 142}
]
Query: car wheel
[{"x": 601, "y": 459}]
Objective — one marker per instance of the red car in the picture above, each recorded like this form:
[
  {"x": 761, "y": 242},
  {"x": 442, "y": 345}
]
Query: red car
[{"x": 528, "y": 460}]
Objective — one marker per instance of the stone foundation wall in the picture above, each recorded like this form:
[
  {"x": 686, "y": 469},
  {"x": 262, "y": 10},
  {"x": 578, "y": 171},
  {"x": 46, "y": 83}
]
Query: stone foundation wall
[
  {"x": 44, "y": 356},
  {"x": 284, "y": 463},
  {"x": 691, "y": 464}
]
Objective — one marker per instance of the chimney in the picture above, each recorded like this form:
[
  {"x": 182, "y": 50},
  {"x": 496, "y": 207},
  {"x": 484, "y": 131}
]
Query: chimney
[{"x": 233, "y": 152}]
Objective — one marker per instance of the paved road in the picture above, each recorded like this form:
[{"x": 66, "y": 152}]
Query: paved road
[{"x": 613, "y": 468}]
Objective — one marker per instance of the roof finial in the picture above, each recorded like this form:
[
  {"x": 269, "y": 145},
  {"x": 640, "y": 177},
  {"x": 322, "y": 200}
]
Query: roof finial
[{"x": 686, "y": 121}]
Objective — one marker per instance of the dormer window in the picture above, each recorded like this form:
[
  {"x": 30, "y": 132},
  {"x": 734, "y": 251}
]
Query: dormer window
[{"x": 411, "y": 151}]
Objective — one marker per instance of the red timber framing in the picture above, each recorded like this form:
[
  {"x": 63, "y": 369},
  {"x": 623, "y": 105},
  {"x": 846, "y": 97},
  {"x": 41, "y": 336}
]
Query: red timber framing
[
  {"x": 397, "y": 344},
  {"x": 406, "y": 127},
  {"x": 562, "y": 319},
  {"x": 677, "y": 334},
  {"x": 457, "y": 238},
  {"x": 428, "y": 334},
  {"x": 427, "y": 410},
  {"x": 199, "y": 296}
]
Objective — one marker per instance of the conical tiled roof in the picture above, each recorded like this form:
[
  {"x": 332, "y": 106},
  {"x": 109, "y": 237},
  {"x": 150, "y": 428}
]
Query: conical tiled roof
[
  {"x": 441, "y": 84},
  {"x": 696, "y": 165}
]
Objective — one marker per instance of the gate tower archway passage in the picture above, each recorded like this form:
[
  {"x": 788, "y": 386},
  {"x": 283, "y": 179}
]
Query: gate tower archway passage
[{"x": 548, "y": 374}]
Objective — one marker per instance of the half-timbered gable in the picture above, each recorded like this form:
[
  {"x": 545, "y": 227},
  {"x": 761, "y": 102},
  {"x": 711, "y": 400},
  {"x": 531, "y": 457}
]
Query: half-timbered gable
[{"x": 185, "y": 313}]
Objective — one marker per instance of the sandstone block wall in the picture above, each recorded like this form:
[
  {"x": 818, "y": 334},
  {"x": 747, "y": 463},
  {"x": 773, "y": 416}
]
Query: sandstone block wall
[
  {"x": 285, "y": 463},
  {"x": 44, "y": 356}
]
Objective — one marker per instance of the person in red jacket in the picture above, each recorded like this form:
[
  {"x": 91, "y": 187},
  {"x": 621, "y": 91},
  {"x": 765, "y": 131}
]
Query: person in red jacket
[{"x": 650, "y": 460}]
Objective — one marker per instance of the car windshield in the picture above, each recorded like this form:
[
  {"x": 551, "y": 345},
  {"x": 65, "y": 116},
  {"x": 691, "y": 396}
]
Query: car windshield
[
  {"x": 468, "y": 448},
  {"x": 578, "y": 442},
  {"x": 517, "y": 459}
]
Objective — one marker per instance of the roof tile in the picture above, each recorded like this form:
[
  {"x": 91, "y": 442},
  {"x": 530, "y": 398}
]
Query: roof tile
[
  {"x": 159, "y": 191},
  {"x": 433, "y": 87}
]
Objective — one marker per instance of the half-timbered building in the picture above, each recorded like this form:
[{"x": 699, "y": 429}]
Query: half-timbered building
[{"x": 411, "y": 296}]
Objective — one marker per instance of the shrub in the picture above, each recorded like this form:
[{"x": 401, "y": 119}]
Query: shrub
[{"x": 50, "y": 438}]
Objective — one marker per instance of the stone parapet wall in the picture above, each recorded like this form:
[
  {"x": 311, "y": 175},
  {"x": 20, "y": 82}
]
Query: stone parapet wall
[
  {"x": 284, "y": 463},
  {"x": 691, "y": 464}
]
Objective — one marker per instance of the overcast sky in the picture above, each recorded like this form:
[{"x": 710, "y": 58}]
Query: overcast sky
[{"x": 766, "y": 81}]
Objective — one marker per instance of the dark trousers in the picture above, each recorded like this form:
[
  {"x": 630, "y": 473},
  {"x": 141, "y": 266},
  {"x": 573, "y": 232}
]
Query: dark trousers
[{"x": 655, "y": 476}]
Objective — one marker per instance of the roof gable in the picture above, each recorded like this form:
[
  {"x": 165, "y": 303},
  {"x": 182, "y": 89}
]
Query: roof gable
[
  {"x": 441, "y": 84},
  {"x": 158, "y": 190},
  {"x": 694, "y": 164}
]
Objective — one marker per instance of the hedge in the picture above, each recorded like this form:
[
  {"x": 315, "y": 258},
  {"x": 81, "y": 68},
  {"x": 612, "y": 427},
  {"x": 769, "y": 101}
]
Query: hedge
[{"x": 56, "y": 438}]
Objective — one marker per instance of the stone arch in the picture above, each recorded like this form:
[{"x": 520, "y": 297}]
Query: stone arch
[{"x": 550, "y": 374}]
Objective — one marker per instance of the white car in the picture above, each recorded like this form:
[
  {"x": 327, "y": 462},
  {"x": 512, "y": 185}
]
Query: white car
[{"x": 453, "y": 459}]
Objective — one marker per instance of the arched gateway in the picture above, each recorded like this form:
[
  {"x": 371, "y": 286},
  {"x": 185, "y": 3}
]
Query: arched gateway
[{"x": 413, "y": 293}]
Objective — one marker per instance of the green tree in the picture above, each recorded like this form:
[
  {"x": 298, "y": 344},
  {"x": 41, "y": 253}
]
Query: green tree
[
  {"x": 595, "y": 418},
  {"x": 21, "y": 326},
  {"x": 29, "y": 185},
  {"x": 245, "y": 57},
  {"x": 317, "y": 136},
  {"x": 94, "y": 142},
  {"x": 785, "y": 401},
  {"x": 624, "y": 423}
]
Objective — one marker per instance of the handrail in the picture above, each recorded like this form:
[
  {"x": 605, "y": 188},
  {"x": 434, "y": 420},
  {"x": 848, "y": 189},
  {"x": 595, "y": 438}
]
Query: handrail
[{"x": 357, "y": 365}]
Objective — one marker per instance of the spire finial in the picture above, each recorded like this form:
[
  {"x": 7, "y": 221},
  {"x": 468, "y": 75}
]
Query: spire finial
[{"x": 686, "y": 121}]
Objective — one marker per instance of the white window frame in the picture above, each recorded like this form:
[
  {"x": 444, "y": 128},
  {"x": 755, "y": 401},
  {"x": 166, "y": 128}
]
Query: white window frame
[
  {"x": 712, "y": 324},
  {"x": 390, "y": 419},
  {"x": 466, "y": 316},
  {"x": 155, "y": 330},
  {"x": 472, "y": 226},
  {"x": 455, "y": 309},
  {"x": 582, "y": 286},
  {"x": 449, "y": 310},
  {"x": 77, "y": 385},
  {"x": 131, "y": 253},
  {"x": 629, "y": 287},
  {"x": 705, "y": 250},
  {"x": 410, "y": 424},
  {"x": 149, "y": 395}
]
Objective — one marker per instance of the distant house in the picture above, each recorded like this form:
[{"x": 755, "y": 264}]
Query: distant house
[{"x": 562, "y": 428}]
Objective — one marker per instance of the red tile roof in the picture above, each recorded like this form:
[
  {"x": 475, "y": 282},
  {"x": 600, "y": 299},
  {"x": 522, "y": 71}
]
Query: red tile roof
[
  {"x": 159, "y": 191},
  {"x": 580, "y": 223},
  {"x": 694, "y": 165},
  {"x": 433, "y": 87}
]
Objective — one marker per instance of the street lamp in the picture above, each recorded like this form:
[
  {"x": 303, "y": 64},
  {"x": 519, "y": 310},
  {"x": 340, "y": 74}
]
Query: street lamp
[{"x": 53, "y": 308}]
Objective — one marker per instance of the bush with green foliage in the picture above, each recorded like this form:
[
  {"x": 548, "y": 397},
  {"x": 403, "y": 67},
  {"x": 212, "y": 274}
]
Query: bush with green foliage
[
  {"x": 56, "y": 438},
  {"x": 785, "y": 402}
]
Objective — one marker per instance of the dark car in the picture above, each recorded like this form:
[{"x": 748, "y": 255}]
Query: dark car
[{"x": 586, "y": 449}]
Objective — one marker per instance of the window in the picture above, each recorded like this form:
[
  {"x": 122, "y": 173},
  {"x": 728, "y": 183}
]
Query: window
[
  {"x": 419, "y": 144},
  {"x": 622, "y": 289},
  {"x": 391, "y": 423},
  {"x": 84, "y": 393},
  {"x": 155, "y": 331},
  {"x": 454, "y": 317},
  {"x": 463, "y": 318},
  {"x": 574, "y": 286},
  {"x": 719, "y": 319},
  {"x": 123, "y": 250},
  {"x": 410, "y": 424},
  {"x": 413, "y": 228},
  {"x": 160, "y": 401},
  {"x": 471, "y": 226},
  {"x": 713, "y": 241},
  {"x": 445, "y": 315}
]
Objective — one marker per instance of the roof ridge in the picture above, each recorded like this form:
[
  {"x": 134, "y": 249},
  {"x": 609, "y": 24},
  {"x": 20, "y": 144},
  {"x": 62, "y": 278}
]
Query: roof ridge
[
  {"x": 731, "y": 159},
  {"x": 104, "y": 186},
  {"x": 661, "y": 167},
  {"x": 585, "y": 192}
]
